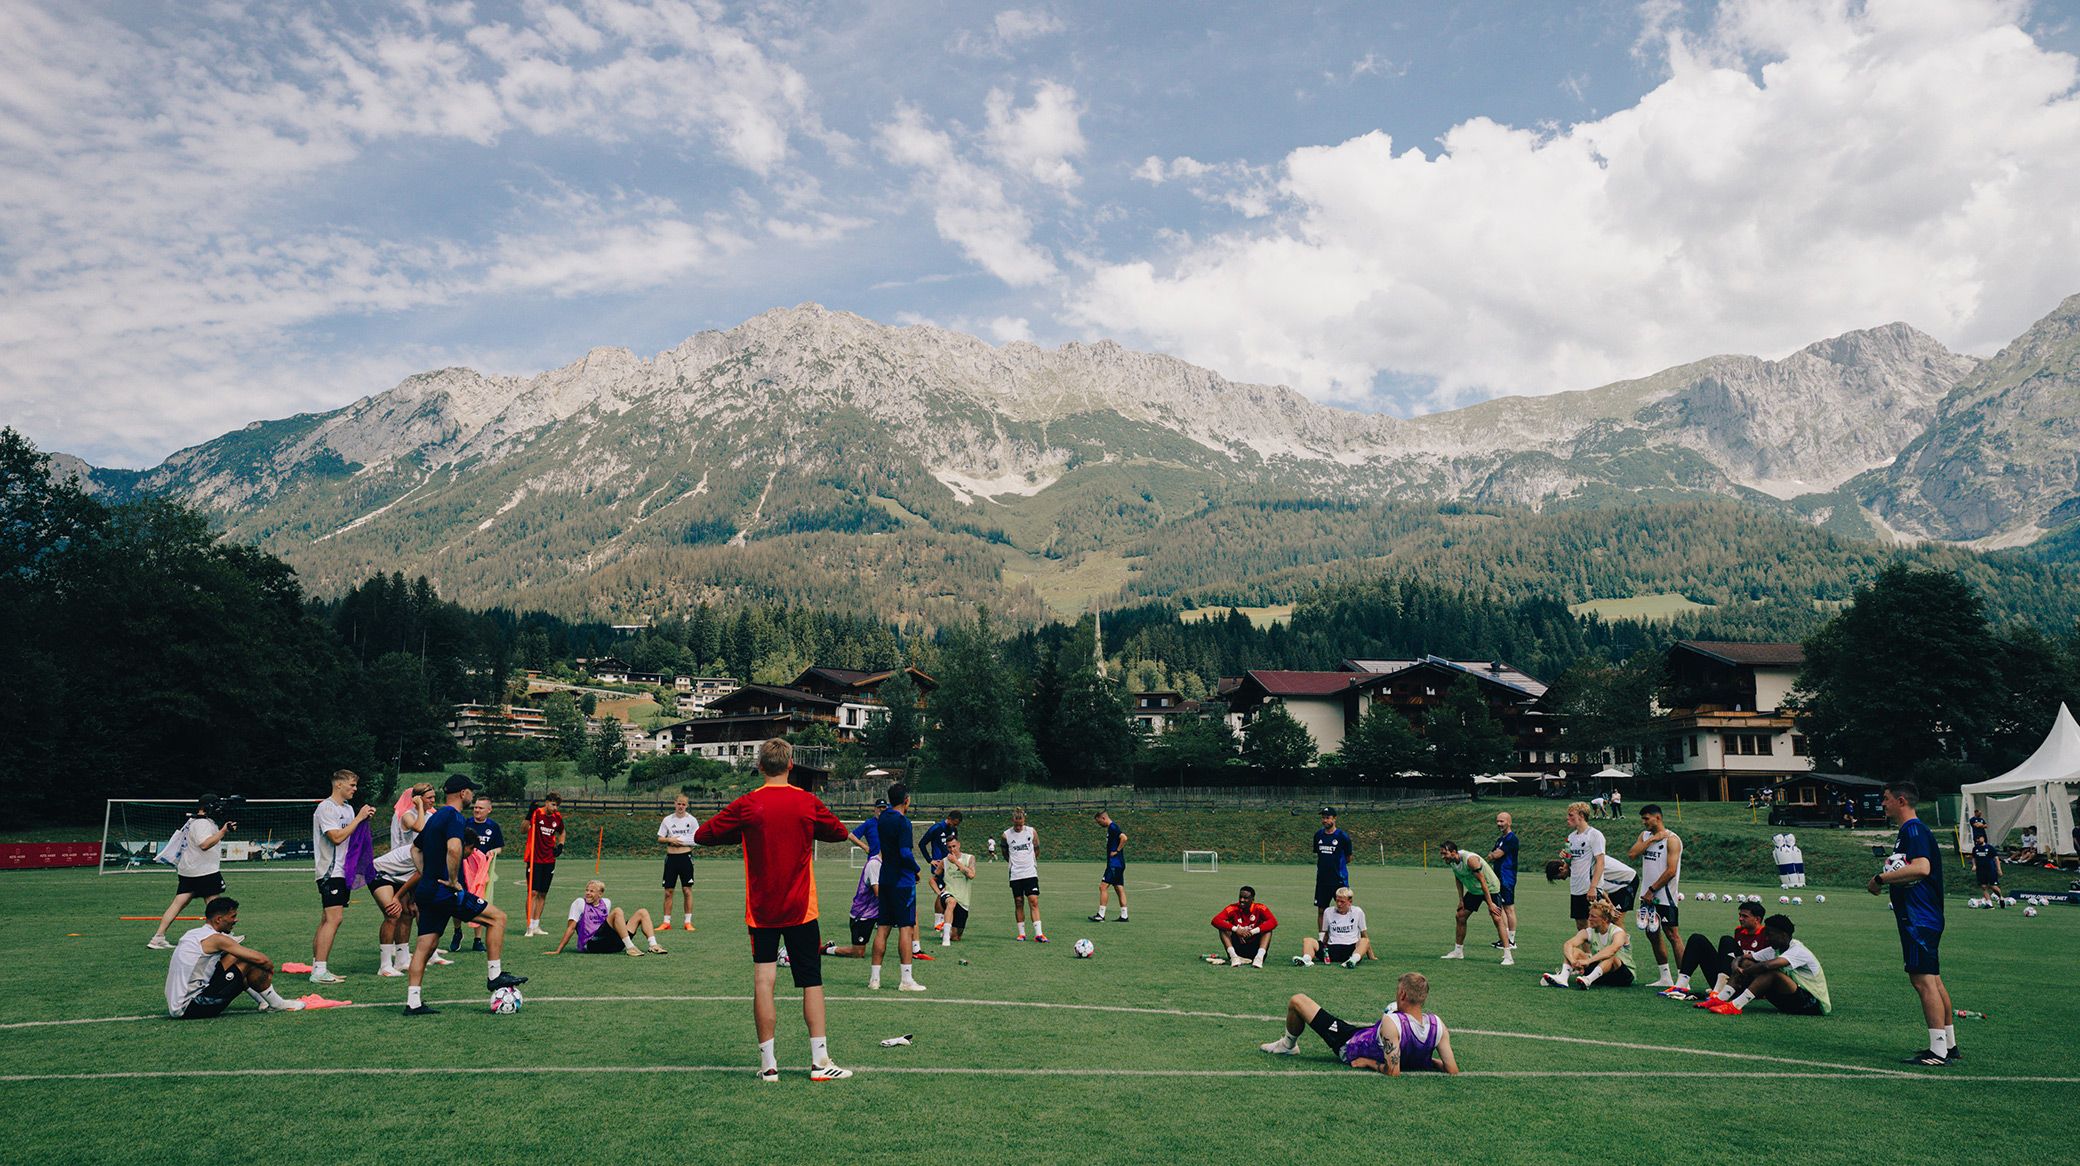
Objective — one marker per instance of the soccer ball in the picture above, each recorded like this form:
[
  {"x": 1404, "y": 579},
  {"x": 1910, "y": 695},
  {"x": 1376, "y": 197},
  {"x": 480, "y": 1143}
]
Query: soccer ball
[
  {"x": 1798, "y": 900},
  {"x": 2029, "y": 912},
  {"x": 506, "y": 1001},
  {"x": 1085, "y": 949},
  {"x": 1679, "y": 896},
  {"x": 1784, "y": 900},
  {"x": 1819, "y": 898}
]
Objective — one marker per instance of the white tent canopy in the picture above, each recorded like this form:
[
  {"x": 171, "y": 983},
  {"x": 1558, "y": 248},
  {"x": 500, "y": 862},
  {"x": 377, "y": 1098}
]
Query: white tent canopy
[
  {"x": 1494, "y": 779},
  {"x": 2038, "y": 793},
  {"x": 1612, "y": 771}
]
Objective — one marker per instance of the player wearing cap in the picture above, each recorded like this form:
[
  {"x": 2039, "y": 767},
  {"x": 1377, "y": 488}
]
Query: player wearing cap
[
  {"x": 1332, "y": 861},
  {"x": 442, "y": 897},
  {"x": 1022, "y": 867},
  {"x": 1342, "y": 938},
  {"x": 675, "y": 834},
  {"x": 1475, "y": 882}
]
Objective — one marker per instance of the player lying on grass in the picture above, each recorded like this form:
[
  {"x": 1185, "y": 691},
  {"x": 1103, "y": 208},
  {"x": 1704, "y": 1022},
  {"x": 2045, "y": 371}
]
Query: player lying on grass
[
  {"x": 1791, "y": 978},
  {"x": 866, "y": 912},
  {"x": 602, "y": 928},
  {"x": 1404, "y": 1040},
  {"x": 209, "y": 968},
  {"x": 1245, "y": 928},
  {"x": 1599, "y": 955},
  {"x": 1342, "y": 938},
  {"x": 1719, "y": 961},
  {"x": 1476, "y": 886}
]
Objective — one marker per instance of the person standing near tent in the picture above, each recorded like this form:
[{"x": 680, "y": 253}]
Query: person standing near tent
[{"x": 1917, "y": 906}]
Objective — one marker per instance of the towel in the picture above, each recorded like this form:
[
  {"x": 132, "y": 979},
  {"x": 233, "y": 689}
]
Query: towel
[{"x": 361, "y": 857}]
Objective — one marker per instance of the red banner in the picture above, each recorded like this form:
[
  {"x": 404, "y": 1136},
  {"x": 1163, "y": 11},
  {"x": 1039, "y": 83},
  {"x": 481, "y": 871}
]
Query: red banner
[{"x": 30, "y": 855}]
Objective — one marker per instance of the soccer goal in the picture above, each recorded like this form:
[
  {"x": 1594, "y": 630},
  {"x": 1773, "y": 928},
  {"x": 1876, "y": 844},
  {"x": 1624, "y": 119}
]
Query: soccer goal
[
  {"x": 1202, "y": 861},
  {"x": 273, "y": 834}
]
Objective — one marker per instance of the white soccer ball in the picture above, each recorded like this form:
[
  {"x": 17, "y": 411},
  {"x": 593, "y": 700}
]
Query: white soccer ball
[
  {"x": 1785, "y": 900},
  {"x": 506, "y": 1001},
  {"x": 2011, "y": 900},
  {"x": 1085, "y": 949},
  {"x": 1798, "y": 900},
  {"x": 1708, "y": 897},
  {"x": 2029, "y": 912},
  {"x": 1819, "y": 898},
  {"x": 1679, "y": 896}
]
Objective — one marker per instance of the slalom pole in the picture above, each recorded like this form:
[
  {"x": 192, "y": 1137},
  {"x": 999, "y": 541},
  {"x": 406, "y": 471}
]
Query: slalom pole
[{"x": 599, "y": 849}]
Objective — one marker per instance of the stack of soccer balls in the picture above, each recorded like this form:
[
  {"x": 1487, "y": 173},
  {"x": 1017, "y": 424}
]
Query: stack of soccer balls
[{"x": 1085, "y": 949}]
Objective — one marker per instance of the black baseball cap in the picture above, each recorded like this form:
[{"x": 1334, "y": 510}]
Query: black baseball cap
[
  {"x": 457, "y": 783},
  {"x": 1328, "y": 811}
]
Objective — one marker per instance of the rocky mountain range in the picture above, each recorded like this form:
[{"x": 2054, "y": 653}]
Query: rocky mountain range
[{"x": 817, "y": 444}]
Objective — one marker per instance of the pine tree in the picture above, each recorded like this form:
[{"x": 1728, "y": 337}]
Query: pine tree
[
  {"x": 1466, "y": 741},
  {"x": 892, "y": 731},
  {"x": 1384, "y": 745},
  {"x": 1091, "y": 722},
  {"x": 978, "y": 739},
  {"x": 1274, "y": 741}
]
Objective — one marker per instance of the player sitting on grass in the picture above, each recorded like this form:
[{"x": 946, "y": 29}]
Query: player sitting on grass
[
  {"x": 1476, "y": 885},
  {"x": 1245, "y": 928},
  {"x": 1599, "y": 955},
  {"x": 602, "y": 928},
  {"x": 1342, "y": 938},
  {"x": 209, "y": 969},
  {"x": 1404, "y": 1040},
  {"x": 866, "y": 911},
  {"x": 1791, "y": 979},
  {"x": 1719, "y": 962}
]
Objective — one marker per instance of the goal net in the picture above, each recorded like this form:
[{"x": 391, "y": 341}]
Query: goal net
[
  {"x": 851, "y": 856},
  {"x": 272, "y": 834},
  {"x": 1202, "y": 861}
]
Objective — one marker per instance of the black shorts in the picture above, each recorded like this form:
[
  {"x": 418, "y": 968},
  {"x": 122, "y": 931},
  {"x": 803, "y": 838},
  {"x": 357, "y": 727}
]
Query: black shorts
[
  {"x": 443, "y": 903},
  {"x": 804, "y": 950},
  {"x": 1618, "y": 977},
  {"x": 216, "y": 995},
  {"x": 1987, "y": 875},
  {"x": 960, "y": 917},
  {"x": 1246, "y": 948},
  {"x": 1625, "y": 897},
  {"x": 543, "y": 874},
  {"x": 1336, "y": 953},
  {"x": 1115, "y": 873},
  {"x": 603, "y": 942},
  {"x": 1798, "y": 1003},
  {"x": 1025, "y": 888},
  {"x": 207, "y": 886},
  {"x": 898, "y": 905},
  {"x": 1919, "y": 946},
  {"x": 1578, "y": 907},
  {"x": 332, "y": 893},
  {"x": 1335, "y": 1031},
  {"x": 1470, "y": 902},
  {"x": 863, "y": 931},
  {"x": 1325, "y": 887},
  {"x": 678, "y": 870},
  {"x": 1506, "y": 895},
  {"x": 1670, "y": 913}
]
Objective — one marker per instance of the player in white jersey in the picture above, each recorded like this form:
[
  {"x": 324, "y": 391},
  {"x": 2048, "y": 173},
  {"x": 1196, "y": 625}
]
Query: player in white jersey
[
  {"x": 1342, "y": 938},
  {"x": 333, "y": 821},
  {"x": 675, "y": 834},
  {"x": 394, "y": 878},
  {"x": 1022, "y": 858},
  {"x": 209, "y": 969},
  {"x": 409, "y": 816},
  {"x": 1584, "y": 857},
  {"x": 1660, "y": 854}
]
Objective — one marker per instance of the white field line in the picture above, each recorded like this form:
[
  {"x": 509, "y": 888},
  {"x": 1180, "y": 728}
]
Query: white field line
[
  {"x": 1192, "y": 1014},
  {"x": 941, "y": 1071}
]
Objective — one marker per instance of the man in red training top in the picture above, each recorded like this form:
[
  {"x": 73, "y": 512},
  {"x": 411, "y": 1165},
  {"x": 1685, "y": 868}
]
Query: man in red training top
[
  {"x": 779, "y": 826},
  {"x": 1245, "y": 928}
]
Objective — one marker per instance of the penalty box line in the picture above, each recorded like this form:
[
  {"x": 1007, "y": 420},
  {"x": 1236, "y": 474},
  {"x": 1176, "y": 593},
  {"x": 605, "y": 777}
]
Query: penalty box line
[
  {"x": 1193, "y": 1014},
  {"x": 1320, "y": 1074}
]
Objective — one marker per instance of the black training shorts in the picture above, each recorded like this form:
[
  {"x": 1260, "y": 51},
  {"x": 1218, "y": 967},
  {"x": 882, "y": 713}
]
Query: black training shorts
[
  {"x": 678, "y": 870},
  {"x": 804, "y": 950}
]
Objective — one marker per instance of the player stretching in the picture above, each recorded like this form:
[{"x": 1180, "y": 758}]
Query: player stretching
[
  {"x": 675, "y": 833},
  {"x": 960, "y": 891},
  {"x": 1660, "y": 854},
  {"x": 1022, "y": 867},
  {"x": 779, "y": 826},
  {"x": 936, "y": 837},
  {"x": 441, "y": 897},
  {"x": 1917, "y": 907},
  {"x": 1115, "y": 876},
  {"x": 866, "y": 911},
  {"x": 897, "y": 888},
  {"x": 1476, "y": 883},
  {"x": 1503, "y": 857},
  {"x": 1405, "y": 1039}
]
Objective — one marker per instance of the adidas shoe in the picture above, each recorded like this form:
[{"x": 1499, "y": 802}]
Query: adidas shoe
[
  {"x": 828, "y": 1072},
  {"x": 1301, "y": 961},
  {"x": 1282, "y": 1048},
  {"x": 159, "y": 943},
  {"x": 1549, "y": 980},
  {"x": 769, "y": 1076},
  {"x": 390, "y": 973},
  {"x": 1353, "y": 961},
  {"x": 1454, "y": 954},
  {"x": 1041, "y": 939},
  {"x": 921, "y": 955},
  {"x": 326, "y": 978},
  {"x": 438, "y": 959},
  {"x": 504, "y": 980},
  {"x": 1723, "y": 1008},
  {"x": 1926, "y": 1057},
  {"x": 422, "y": 1010},
  {"x": 1095, "y": 918},
  {"x": 284, "y": 1006},
  {"x": 912, "y": 986},
  {"x": 1509, "y": 959}
]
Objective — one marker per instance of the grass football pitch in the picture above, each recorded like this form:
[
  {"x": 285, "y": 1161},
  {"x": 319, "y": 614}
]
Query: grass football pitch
[{"x": 1143, "y": 1053}]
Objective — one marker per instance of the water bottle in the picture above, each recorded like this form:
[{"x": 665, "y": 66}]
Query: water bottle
[{"x": 1968, "y": 1014}]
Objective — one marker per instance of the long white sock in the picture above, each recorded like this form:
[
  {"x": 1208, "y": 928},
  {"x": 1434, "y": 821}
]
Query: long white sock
[
  {"x": 874, "y": 976},
  {"x": 1683, "y": 982},
  {"x": 1287, "y": 1040},
  {"x": 1938, "y": 1041},
  {"x": 1458, "y": 949},
  {"x": 493, "y": 969},
  {"x": 1664, "y": 971},
  {"x": 534, "y": 924},
  {"x": 411, "y": 996},
  {"x": 1123, "y": 914},
  {"x": 819, "y": 1050},
  {"x": 1950, "y": 1036},
  {"x": 273, "y": 998},
  {"x": 907, "y": 974},
  {"x": 766, "y": 1057},
  {"x": 667, "y": 921},
  {"x": 319, "y": 968},
  {"x": 1593, "y": 974},
  {"x": 1037, "y": 928},
  {"x": 630, "y": 943},
  {"x": 1744, "y": 999},
  {"x": 1563, "y": 973}
]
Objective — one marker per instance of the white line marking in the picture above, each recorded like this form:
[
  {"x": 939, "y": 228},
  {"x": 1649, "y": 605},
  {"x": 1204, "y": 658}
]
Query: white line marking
[{"x": 941, "y": 1070}]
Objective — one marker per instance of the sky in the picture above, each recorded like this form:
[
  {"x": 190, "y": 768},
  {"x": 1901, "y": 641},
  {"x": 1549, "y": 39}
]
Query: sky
[{"x": 215, "y": 212}]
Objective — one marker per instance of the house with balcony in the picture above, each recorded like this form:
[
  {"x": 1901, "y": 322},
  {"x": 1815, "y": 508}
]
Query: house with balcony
[
  {"x": 1727, "y": 730},
  {"x": 1330, "y": 704}
]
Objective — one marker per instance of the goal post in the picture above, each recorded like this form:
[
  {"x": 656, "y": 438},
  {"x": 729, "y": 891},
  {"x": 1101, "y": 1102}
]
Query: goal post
[
  {"x": 273, "y": 834},
  {"x": 1202, "y": 861}
]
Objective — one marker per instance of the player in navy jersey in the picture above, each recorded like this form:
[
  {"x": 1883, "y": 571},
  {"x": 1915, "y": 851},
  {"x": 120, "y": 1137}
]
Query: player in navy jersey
[
  {"x": 1503, "y": 857},
  {"x": 1917, "y": 907},
  {"x": 1332, "y": 861},
  {"x": 867, "y": 835},
  {"x": 441, "y": 895},
  {"x": 1115, "y": 876},
  {"x": 897, "y": 890}
]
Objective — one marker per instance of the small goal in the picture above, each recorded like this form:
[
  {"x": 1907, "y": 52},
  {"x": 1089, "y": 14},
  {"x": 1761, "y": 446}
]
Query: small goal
[{"x": 1202, "y": 861}]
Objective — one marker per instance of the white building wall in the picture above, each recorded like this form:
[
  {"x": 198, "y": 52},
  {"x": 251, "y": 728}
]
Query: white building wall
[
  {"x": 1772, "y": 685},
  {"x": 1323, "y": 720}
]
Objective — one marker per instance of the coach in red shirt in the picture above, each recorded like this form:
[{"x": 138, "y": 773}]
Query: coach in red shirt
[
  {"x": 1245, "y": 928},
  {"x": 779, "y": 826}
]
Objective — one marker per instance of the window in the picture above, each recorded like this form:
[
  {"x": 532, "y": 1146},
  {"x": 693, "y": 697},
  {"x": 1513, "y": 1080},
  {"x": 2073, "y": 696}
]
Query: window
[
  {"x": 1798, "y": 744},
  {"x": 1749, "y": 744},
  {"x": 1693, "y": 743}
]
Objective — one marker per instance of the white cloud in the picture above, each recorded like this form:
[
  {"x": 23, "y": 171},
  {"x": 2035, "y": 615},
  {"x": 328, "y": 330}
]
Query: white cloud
[
  {"x": 1006, "y": 329},
  {"x": 1037, "y": 140},
  {"x": 1021, "y": 24},
  {"x": 969, "y": 205},
  {"x": 1245, "y": 189},
  {"x": 1805, "y": 169}
]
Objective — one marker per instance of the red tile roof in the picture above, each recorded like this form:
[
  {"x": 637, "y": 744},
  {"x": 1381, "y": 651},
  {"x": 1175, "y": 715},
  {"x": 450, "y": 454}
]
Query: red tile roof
[{"x": 1278, "y": 683}]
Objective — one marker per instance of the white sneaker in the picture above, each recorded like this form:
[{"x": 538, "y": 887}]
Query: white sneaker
[
  {"x": 438, "y": 958},
  {"x": 390, "y": 972},
  {"x": 1663, "y": 982},
  {"x": 769, "y": 1076},
  {"x": 1258, "y": 962},
  {"x": 326, "y": 978},
  {"x": 1301, "y": 961},
  {"x": 828, "y": 1072},
  {"x": 1236, "y": 961},
  {"x": 1509, "y": 959},
  {"x": 159, "y": 943},
  {"x": 284, "y": 1006},
  {"x": 1280, "y": 1048},
  {"x": 912, "y": 986},
  {"x": 1454, "y": 954}
]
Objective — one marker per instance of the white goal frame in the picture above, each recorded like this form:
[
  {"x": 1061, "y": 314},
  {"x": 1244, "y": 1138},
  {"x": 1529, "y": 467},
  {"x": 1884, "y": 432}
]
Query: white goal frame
[
  {"x": 1212, "y": 857},
  {"x": 143, "y": 855}
]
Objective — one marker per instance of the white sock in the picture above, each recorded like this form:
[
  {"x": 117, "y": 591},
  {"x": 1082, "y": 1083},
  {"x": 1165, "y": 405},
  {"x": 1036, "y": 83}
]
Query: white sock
[
  {"x": 668, "y": 921},
  {"x": 915, "y": 947},
  {"x": 819, "y": 1050},
  {"x": 534, "y": 924},
  {"x": 383, "y": 963},
  {"x": 319, "y": 968},
  {"x": 1938, "y": 1041},
  {"x": 493, "y": 969},
  {"x": 273, "y": 998},
  {"x": 1513, "y": 939},
  {"x": 411, "y": 996},
  {"x": 1037, "y": 929},
  {"x": 1101, "y": 911},
  {"x": 1591, "y": 976},
  {"x": 1458, "y": 949},
  {"x": 654, "y": 946},
  {"x": 1664, "y": 971},
  {"x": 1683, "y": 982},
  {"x": 630, "y": 943},
  {"x": 1950, "y": 1036},
  {"x": 1287, "y": 1040},
  {"x": 938, "y": 921},
  {"x": 766, "y": 1058},
  {"x": 907, "y": 975},
  {"x": 1307, "y": 961},
  {"x": 1744, "y": 999},
  {"x": 1562, "y": 974},
  {"x": 1122, "y": 912},
  {"x": 874, "y": 976},
  {"x": 1021, "y": 929}
]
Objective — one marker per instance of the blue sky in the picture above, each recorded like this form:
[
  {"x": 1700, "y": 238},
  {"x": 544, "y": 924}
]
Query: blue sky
[{"x": 217, "y": 212}]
